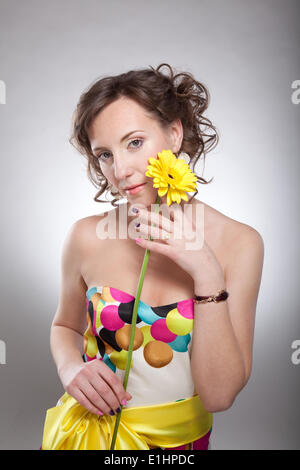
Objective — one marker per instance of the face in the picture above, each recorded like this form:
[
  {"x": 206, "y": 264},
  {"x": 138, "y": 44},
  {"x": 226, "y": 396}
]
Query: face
[{"x": 123, "y": 136}]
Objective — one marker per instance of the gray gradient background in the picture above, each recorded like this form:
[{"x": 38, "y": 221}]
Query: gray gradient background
[{"x": 247, "y": 53}]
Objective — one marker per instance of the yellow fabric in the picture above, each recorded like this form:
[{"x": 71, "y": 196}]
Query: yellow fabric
[{"x": 72, "y": 427}]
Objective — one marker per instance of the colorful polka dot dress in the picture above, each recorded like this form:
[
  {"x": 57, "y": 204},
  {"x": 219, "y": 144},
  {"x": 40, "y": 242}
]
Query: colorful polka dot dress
[
  {"x": 160, "y": 332},
  {"x": 160, "y": 373},
  {"x": 160, "y": 366}
]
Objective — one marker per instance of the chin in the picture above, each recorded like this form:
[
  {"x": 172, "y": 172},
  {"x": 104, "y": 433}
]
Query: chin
[
  {"x": 144, "y": 200},
  {"x": 149, "y": 199}
]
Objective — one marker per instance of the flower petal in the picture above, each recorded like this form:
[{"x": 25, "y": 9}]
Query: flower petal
[{"x": 171, "y": 176}]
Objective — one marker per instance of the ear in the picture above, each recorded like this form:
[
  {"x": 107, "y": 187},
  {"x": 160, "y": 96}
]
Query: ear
[{"x": 176, "y": 135}]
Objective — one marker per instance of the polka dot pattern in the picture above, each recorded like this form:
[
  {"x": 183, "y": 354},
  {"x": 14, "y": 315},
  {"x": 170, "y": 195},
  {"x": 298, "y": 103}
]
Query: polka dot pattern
[
  {"x": 110, "y": 318},
  {"x": 178, "y": 324},
  {"x": 158, "y": 354},
  {"x": 160, "y": 330}
]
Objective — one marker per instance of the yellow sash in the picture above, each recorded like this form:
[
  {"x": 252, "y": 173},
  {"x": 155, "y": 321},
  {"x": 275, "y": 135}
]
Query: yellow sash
[{"x": 70, "y": 426}]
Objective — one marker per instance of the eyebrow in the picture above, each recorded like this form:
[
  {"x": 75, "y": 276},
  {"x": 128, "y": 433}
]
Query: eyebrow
[{"x": 123, "y": 138}]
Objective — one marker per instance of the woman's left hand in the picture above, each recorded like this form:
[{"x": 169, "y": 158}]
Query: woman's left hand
[{"x": 185, "y": 244}]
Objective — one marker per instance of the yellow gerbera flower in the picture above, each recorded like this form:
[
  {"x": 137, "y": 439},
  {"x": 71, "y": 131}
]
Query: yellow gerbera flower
[{"x": 171, "y": 175}]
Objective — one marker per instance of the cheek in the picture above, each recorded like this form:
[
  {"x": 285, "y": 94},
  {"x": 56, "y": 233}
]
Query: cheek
[
  {"x": 159, "y": 145},
  {"x": 107, "y": 172},
  {"x": 150, "y": 152}
]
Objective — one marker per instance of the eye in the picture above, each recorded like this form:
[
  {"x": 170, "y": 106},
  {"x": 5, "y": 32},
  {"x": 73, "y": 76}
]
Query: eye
[
  {"x": 136, "y": 140},
  {"x": 100, "y": 156}
]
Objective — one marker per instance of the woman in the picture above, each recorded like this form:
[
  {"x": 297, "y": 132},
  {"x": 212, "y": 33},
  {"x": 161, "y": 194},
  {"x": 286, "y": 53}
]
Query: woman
[{"x": 178, "y": 381}]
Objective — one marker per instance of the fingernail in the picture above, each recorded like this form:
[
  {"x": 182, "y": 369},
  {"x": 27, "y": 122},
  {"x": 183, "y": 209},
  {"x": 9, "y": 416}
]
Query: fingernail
[
  {"x": 111, "y": 413},
  {"x": 124, "y": 402},
  {"x": 100, "y": 413},
  {"x": 135, "y": 210},
  {"x": 137, "y": 225},
  {"x": 138, "y": 240},
  {"x": 118, "y": 410}
]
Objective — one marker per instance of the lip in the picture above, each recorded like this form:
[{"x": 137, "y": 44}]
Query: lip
[{"x": 135, "y": 189}]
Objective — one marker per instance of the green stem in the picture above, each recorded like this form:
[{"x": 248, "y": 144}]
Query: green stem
[{"x": 133, "y": 324}]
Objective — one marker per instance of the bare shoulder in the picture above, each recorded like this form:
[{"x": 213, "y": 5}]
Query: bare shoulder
[
  {"x": 240, "y": 235},
  {"x": 86, "y": 223},
  {"x": 247, "y": 253},
  {"x": 71, "y": 306},
  {"x": 76, "y": 243},
  {"x": 232, "y": 237},
  {"x": 231, "y": 229},
  {"x": 84, "y": 231}
]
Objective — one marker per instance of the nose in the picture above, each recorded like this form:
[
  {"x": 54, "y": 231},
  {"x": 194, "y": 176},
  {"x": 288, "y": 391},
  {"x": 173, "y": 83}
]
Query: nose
[{"x": 122, "y": 169}]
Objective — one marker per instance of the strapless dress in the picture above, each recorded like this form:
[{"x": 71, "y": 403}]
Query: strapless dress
[
  {"x": 160, "y": 369},
  {"x": 165, "y": 408}
]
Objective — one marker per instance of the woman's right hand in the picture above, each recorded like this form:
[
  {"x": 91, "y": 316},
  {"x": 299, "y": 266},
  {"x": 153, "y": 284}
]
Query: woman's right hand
[{"x": 95, "y": 386}]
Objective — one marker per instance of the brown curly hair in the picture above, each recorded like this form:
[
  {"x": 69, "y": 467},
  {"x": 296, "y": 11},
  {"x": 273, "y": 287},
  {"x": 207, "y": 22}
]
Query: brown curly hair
[{"x": 165, "y": 97}]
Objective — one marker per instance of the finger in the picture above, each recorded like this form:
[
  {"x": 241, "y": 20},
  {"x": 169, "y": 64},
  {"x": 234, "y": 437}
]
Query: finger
[
  {"x": 178, "y": 230},
  {"x": 175, "y": 217},
  {"x": 95, "y": 397},
  {"x": 162, "y": 248},
  {"x": 155, "y": 233},
  {"x": 169, "y": 208},
  {"x": 179, "y": 215},
  {"x": 110, "y": 400},
  {"x": 183, "y": 224},
  {"x": 103, "y": 398},
  {"x": 85, "y": 402},
  {"x": 161, "y": 219},
  {"x": 113, "y": 392},
  {"x": 146, "y": 231},
  {"x": 115, "y": 383}
]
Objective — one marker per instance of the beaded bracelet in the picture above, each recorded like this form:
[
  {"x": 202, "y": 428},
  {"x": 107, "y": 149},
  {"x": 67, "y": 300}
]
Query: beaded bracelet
[{"x": 221, "y": 295}]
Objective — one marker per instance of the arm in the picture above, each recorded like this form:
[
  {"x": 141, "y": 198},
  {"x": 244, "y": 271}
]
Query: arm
[
  {"x": 68, "y": 326},
  {"x": 221, "y": 356},
  {"x": 92, "y": 384}
]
